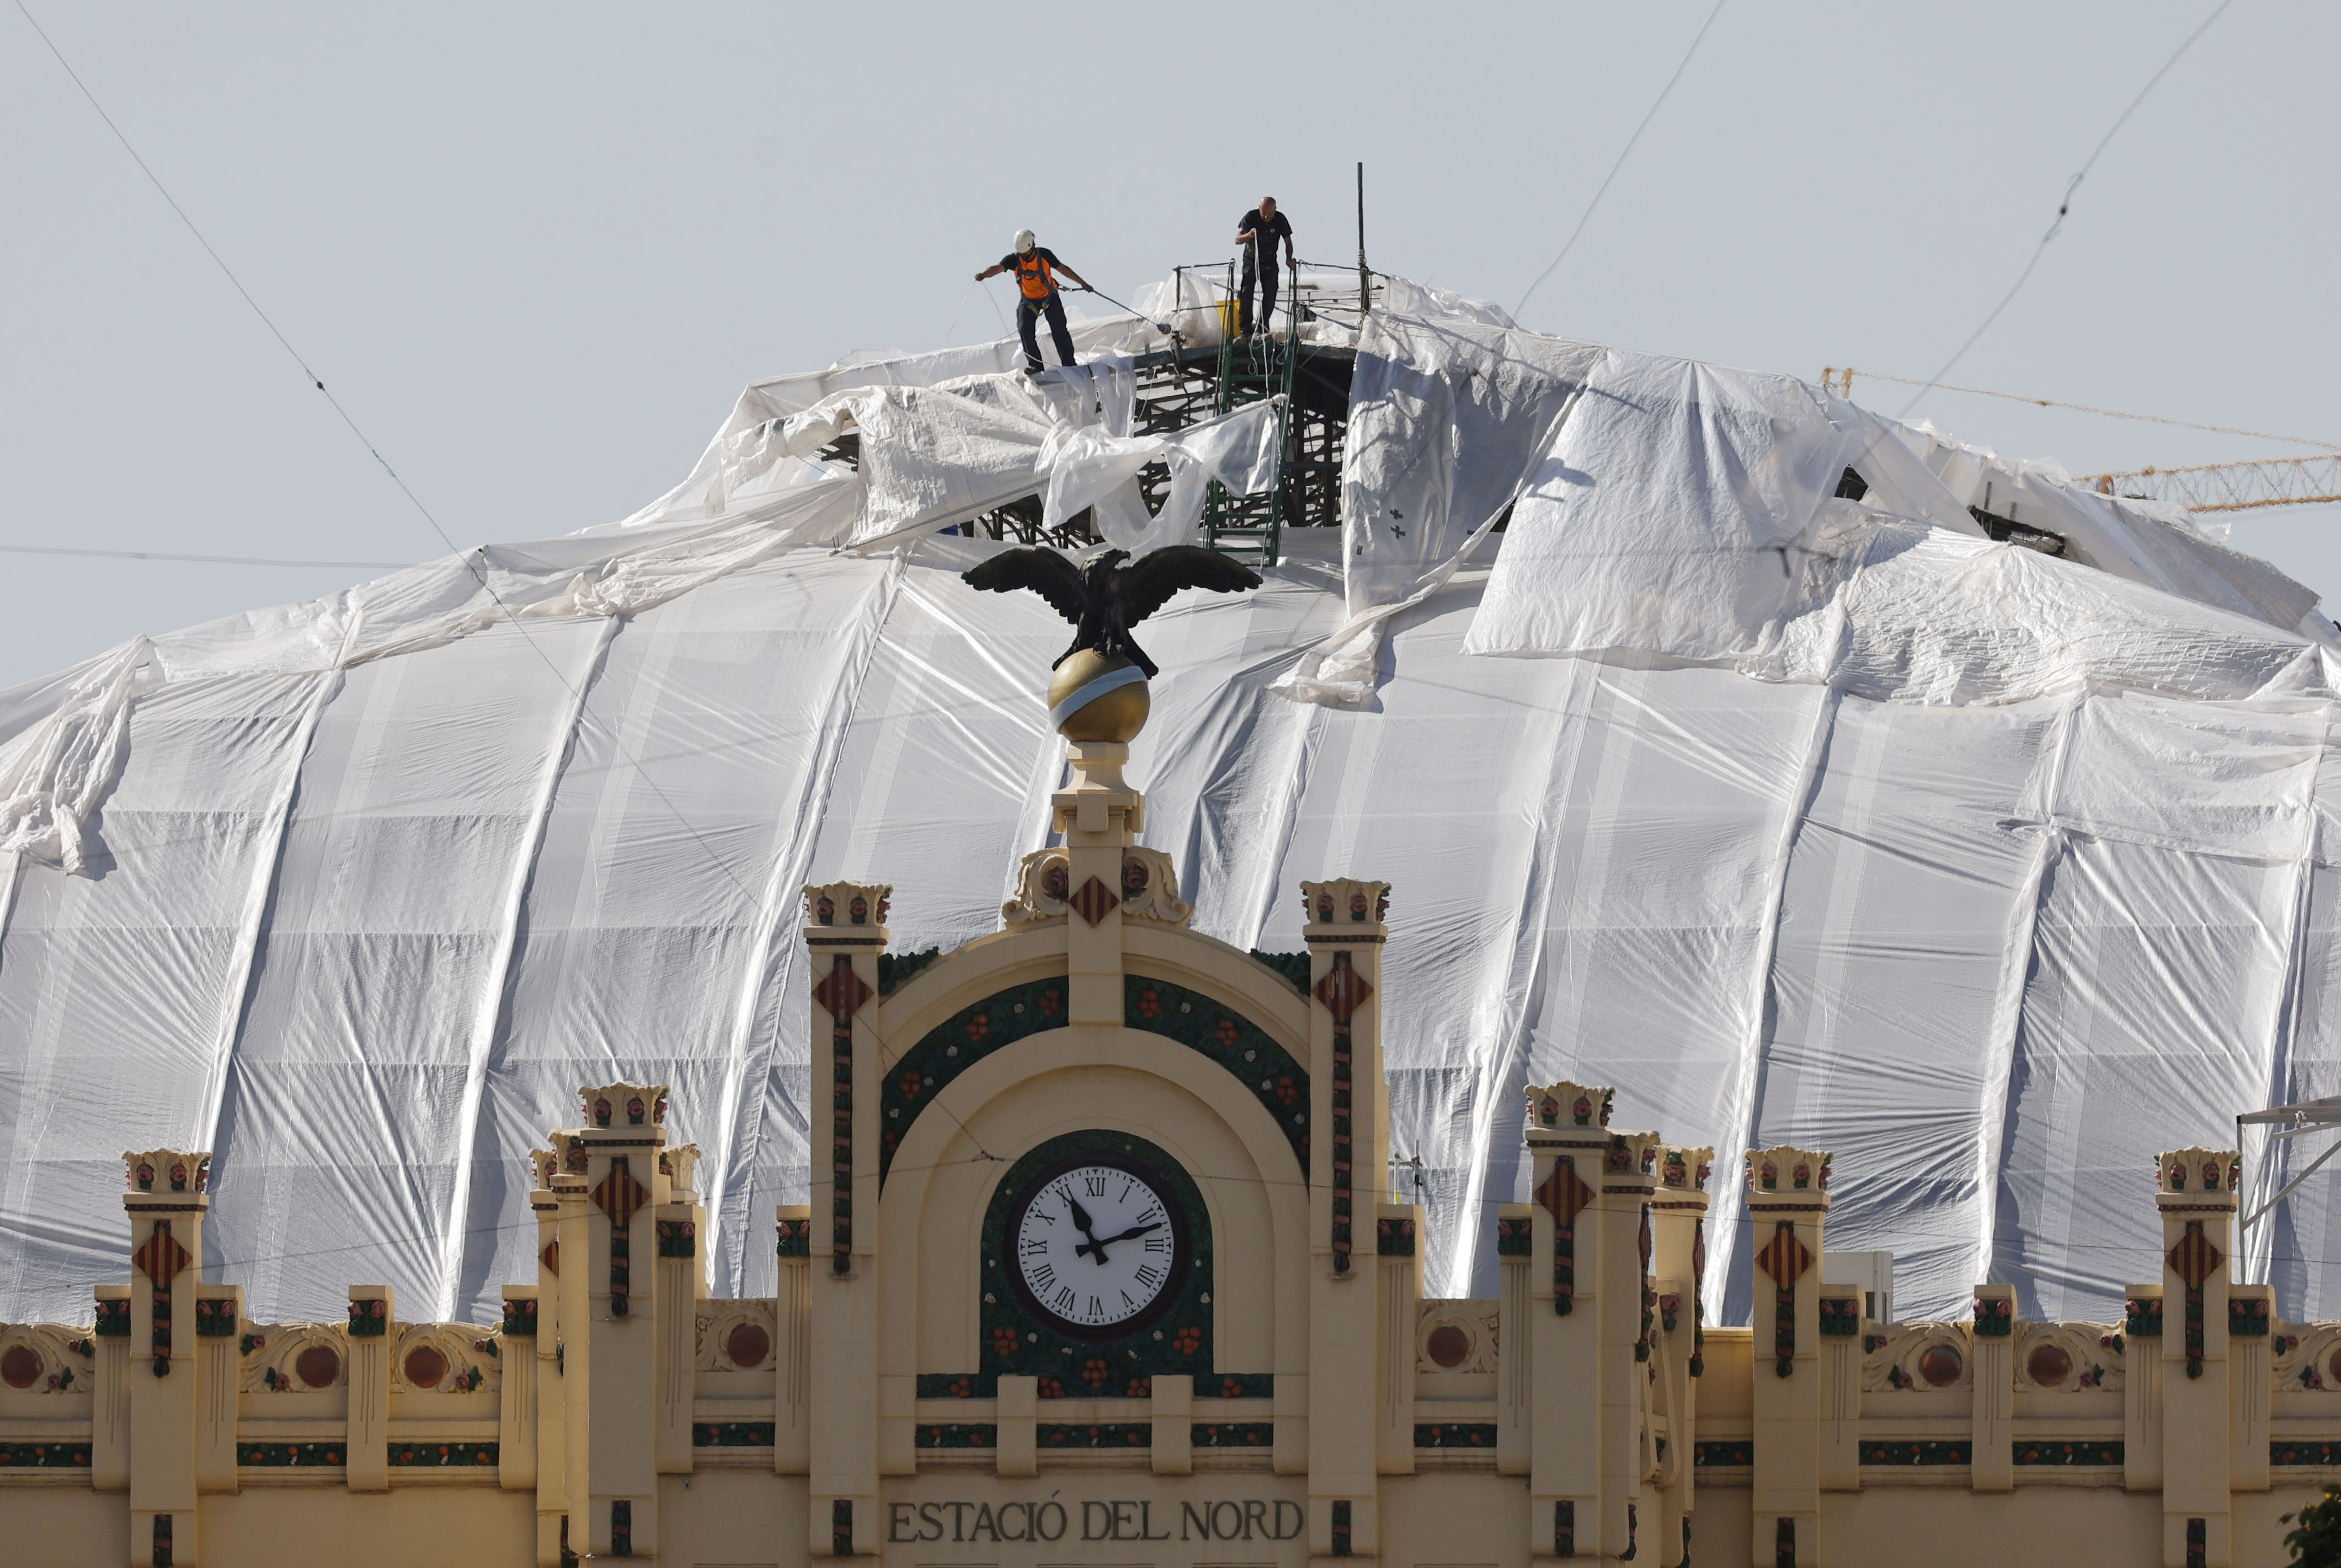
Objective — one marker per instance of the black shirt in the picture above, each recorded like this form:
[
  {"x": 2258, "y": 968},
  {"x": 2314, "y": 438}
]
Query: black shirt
[{"x": 1261, "y": 233}]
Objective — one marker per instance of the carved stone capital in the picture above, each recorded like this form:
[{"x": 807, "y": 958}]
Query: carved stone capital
[
  {"x": 1787, "y": 1171},
  {"x": 1345, "y": 900},
  {"x": 163, "y": 1170},
  {"x": 1685, "y": 1169},
  {"x": 849, "y": 903},
  {"x": 1566, "y": 1104},
  {"x": 1633, "y": 1157},
  {"x": 2198, "y": 1177},
  {"x": 681, "y": 1164},
  {"x": 622, "y": 1106}
]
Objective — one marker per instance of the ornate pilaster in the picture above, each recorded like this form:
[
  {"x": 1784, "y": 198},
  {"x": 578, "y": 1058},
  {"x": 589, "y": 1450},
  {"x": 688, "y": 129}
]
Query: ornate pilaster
[
  {"x": 677, "y": 1226},
  {"x": 551, "y": 1382},
  {"x": 166, "y": 1204},
  {"x": 1678, "y": 1214},
  {"x": 2142, "y": 1388},
  {"x": 219, "y": 1315},
  {"x": 1841, "y": 1354},
  {"x": 845, "y": 933},
  {"x": 1514, "y": 1333},
  {"x": 1349, "y": 1122},
  {"x": 2196, "y": 1195},
  {"x": 1568, "y": 1132},
  {"x": 1788, "y": 1199},
  {"x": 1101, "y": 817},
  {"x": 1627, "y": 1318},
  {"x": 616, "y": 1272},
  {"x": 109, "y": 1448},
  {"x": 1993, "y": 1432},
  {"x": 373, "y": 1309},
  {"x": 518, "y": 1414},
  {"x": 792, "y": 1341},
  {"x": 1397, "y": 1233},
  {"x": 573, "y": 1351}
]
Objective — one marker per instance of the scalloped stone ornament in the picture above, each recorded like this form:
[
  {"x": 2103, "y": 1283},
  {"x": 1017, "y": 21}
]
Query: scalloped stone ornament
[
  {"x": 1564, "y": 1105},
  {"x": 168, "y": 1170},
  {"x": 1788, "y": 1169},
  {"x": 849, "y": 903},
  {"x": 1345, "y": 900}
]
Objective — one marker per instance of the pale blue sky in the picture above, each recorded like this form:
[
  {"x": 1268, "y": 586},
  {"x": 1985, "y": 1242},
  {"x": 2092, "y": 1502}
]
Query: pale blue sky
[{"x": 537, "y": 251}]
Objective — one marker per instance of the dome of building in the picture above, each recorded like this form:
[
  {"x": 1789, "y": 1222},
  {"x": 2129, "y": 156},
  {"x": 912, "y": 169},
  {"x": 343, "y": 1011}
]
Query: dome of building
[{"x": 1810, "y": 779}]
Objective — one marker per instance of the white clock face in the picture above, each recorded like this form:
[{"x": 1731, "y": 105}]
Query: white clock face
[{"x": 1096, "y": 1247}]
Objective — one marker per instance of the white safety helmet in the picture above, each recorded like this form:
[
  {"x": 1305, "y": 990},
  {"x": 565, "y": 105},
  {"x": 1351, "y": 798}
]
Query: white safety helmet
[{"x": 1024, "y": 241}]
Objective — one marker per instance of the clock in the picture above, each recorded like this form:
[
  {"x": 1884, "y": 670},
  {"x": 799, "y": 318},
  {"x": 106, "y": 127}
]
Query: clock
[{"x": 1097, "y": 1246}]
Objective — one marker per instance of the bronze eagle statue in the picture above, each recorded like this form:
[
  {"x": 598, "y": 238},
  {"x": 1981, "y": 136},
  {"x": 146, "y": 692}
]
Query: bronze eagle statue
[{"x": 1104, "y": 599}]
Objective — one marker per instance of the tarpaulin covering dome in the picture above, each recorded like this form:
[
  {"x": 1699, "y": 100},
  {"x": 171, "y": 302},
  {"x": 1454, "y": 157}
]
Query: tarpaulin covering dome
[{"x": 1797, "y": 814}]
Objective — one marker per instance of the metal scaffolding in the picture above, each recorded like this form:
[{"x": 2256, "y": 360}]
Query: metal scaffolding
[{"x": 1179, "y": 387}]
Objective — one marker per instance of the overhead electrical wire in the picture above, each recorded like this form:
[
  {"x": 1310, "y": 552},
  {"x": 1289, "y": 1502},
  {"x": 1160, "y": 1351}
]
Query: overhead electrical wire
[
  {"x": 315, "y": 379},
  {"x": 467, "y": 556},
  {"x": 1848, "y": 372},
  {"x": 1604, "y": 190},
  {"x": 2063, "y": 207},
  {"x": 206, "y": 560}
]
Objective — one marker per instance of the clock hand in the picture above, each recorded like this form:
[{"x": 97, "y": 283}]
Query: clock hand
[
  {"x": 1098, "y": 1246},
  {"x": 1082, "y": 1222}
]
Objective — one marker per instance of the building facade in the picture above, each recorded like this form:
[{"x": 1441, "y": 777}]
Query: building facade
[{"x": 1103, "y": 1270}]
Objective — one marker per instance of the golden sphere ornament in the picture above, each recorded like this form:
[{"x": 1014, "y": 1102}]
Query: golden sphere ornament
[{"x": 1095, "y": 696}]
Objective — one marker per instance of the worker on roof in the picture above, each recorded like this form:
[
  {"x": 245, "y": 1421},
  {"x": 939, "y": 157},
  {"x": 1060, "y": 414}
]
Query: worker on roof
[
  {"x": 1036, "y": 268},
  {"x": 1258, "y": 231}
]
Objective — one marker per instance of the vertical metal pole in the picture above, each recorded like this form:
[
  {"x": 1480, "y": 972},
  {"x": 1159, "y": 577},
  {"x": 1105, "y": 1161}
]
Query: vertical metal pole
[
  {"x": 1178, "y": 326},
  {"x": 1365, "y": 278}
]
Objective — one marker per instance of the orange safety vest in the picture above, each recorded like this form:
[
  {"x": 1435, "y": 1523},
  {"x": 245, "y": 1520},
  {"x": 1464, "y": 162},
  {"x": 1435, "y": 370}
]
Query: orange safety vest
[{"x": 1035, "y": 276}]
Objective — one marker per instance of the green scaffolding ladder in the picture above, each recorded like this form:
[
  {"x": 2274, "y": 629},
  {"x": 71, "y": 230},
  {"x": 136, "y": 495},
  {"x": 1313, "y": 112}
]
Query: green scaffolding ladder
[{"x": 1261, "y": 366}]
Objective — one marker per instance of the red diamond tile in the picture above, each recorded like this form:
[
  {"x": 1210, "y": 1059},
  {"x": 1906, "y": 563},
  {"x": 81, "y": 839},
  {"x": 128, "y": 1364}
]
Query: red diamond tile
[
  {"x": 1784, "y": 1257},
  {"x": 2194, "y": 1258},
  {"x": 1343, "y": 990},
  {"x": 1562, "y": 1194},
  {"x": 619, "y": 1195},
  {"x": 841, "y": 990},
  {"x": 1095, "y": 900},
  {"x": 160, "y": 1258}
]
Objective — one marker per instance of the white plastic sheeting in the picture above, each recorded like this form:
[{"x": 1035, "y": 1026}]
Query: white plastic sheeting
[{"x": 1794, "y": 817}]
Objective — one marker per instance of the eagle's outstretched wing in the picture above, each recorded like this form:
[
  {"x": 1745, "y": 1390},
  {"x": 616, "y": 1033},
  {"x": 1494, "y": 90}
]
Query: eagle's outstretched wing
[
  {"x": 1148, "y": 582},
  {"x": 1044, "y": 572}
]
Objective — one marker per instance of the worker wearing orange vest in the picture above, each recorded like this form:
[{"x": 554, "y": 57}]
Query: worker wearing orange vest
[{"x": 1036, "y": 268}]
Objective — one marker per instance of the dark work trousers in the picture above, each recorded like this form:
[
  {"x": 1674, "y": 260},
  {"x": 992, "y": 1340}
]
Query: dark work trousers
[
  {"x": 1266, "y": 278},
  {"x": 1028, "y": 312}
]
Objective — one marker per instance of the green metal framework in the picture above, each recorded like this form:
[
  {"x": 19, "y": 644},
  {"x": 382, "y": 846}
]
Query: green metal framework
[{"x": 1179, "y": 387}]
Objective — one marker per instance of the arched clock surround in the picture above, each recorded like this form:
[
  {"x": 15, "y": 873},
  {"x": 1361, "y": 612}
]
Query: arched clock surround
[{"x": 1174, "y": 1337}]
